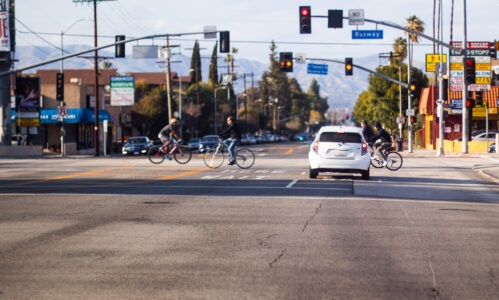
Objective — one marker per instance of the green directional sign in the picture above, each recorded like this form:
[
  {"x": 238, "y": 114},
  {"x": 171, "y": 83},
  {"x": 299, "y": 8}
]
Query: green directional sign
[{"x": 122, "y": 90}]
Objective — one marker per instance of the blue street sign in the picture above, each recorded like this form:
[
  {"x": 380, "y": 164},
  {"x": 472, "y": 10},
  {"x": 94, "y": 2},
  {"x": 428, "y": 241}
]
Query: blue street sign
[
  {"x": 317, "y": 69},
  {"x": 367, "y": 34}
]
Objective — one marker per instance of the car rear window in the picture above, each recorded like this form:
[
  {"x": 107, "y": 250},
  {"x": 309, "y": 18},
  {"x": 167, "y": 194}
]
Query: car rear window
[
  {"x": 137, "y": 141},
  {"x": 337, "y": 137}
]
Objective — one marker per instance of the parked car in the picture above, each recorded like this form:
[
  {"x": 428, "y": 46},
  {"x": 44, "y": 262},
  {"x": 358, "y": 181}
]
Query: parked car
[
  {"x": 208, "y": 142},
  {"x": 136, "y": 145},
  {"x": 339, "y": 149},
  {"x": 193, "y": 144},
  {"x": 482, "y": 135}
]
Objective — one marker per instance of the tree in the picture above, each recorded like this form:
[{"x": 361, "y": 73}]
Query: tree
[
  {"x": 213, "y": 77},
  {"x": 414, "y": 24},
  {"x": 380, "y": 101},
  {"x": 400, "y": 51},
  {"x": 196, "y": 64}
]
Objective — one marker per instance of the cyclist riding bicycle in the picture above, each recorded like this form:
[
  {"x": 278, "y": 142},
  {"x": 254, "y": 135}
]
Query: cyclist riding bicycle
[
  {"x": 232, "y": 135},
  {"x": 367, "y": 131},
  {"x": 165, "y": 135},
  {"x": 384, "y": 143}
]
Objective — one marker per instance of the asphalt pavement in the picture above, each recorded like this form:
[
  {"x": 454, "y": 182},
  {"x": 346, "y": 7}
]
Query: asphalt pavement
[{"x": 489, "y": 171}]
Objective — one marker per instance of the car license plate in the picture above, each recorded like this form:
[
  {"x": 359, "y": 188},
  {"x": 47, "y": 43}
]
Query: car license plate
[{"x": 136, "y": 152}]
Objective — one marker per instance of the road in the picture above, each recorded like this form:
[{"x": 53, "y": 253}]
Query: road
[{"x": 125, "y": 228}]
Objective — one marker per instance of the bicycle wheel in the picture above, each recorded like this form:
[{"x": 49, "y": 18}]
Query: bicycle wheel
[
  {"x": 245, "y": 158},
  {"x": 376, "y": 161},
  {"x": 213, "y": 158},
  {"x": 394, "y": 161},
  {"x": 182, "y": 155},
  {"x": 156, "y": 156}
]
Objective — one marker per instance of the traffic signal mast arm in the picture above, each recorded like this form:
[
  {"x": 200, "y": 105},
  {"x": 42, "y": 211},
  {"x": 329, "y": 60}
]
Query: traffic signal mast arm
[
  {"x": 156, "y": 36},
  {"x": 404, "y": 84}
]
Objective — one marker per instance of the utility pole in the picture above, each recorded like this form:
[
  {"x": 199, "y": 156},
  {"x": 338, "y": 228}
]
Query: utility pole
[
  {"x": 440, "y": 100},
  {"x": 409, "y": 102},
  {"x": 5, "y": 65},
  {"x": 168, "y": 72},
  {"x": 96, "y": 85},
  {"x": 245, "y": 105},
  {"x": 465, "y": 88}
]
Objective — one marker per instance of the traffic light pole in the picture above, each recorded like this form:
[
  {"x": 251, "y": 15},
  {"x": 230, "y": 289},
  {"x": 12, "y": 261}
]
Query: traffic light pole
[
  {"x": 362, "y": 68},
  {"x": 48, "y": 61},
  {"x": 465, "y": 88}
]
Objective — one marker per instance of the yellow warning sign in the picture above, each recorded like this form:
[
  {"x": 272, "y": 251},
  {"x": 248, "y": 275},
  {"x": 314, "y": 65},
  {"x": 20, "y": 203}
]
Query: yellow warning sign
[{"x": 432, "y": 60}]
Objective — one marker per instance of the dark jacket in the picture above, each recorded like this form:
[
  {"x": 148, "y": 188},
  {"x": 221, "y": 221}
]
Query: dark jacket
[
  {"x": 232, "y": 131},
  {"x": 383, "y": 135},
  {"x": 368, "y": 133}
]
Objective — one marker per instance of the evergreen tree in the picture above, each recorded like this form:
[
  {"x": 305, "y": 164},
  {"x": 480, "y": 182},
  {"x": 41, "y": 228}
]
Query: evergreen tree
[
  {"x": 214, "y": 67},
  {"x": 196, "y": 64}
]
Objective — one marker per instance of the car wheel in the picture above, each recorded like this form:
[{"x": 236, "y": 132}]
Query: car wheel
[
  {"x": 313, "y": 173},
  {"x": 365, "y": 174}
]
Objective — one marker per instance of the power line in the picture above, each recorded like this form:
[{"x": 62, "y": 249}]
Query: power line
[{"x": 240, "y": 41}]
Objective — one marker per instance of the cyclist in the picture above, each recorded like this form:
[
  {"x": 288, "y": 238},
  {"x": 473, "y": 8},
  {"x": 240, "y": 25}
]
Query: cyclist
[
  {"x": 385, "y": 141},
  {"x": 367, "y": 131},
  {"x": 164, "y": 135},
  {"x": 232, "y": 135}
]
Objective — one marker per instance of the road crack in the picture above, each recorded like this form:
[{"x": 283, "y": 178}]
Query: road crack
[
  {"x": 278, "y": 257},
  {"x": 312, "y": 217}
]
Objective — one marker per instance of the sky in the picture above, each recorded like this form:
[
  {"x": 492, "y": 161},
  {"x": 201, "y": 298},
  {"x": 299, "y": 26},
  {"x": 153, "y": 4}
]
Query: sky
[{"x": 253, "y": 24}]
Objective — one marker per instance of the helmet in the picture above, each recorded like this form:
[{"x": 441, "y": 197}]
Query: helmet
[{"x": 173, "y": 120}]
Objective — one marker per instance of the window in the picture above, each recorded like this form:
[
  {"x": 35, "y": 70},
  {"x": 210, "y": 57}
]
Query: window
[{"x": 337, "y": 137}]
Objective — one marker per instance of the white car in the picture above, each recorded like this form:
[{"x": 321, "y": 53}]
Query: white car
[{"x": 339, "y": 149}]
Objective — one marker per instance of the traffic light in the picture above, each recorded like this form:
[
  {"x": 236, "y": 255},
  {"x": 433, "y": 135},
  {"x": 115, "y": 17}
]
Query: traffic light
[
  {"x": 224, "y": 41},
  {"x": 470, "y": 103},
  {"x": 479, "y": 98},
  {"x": 286, "y": 61},
  {"x": 348, "y": 66},
  {"x": 335, "y": 18},
  {"x": 60, "y": 87},
  {"x": 305, "y": 20},
  {"x": 469, "y": 69},
  {"x": 412, "y": 89},
  {"x": 119, "y": 49},
  {"x": 412, "y": 120}
]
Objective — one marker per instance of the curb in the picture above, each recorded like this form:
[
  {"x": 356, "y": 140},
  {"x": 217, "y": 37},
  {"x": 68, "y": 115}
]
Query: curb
[{"x": 488, "y": 176}]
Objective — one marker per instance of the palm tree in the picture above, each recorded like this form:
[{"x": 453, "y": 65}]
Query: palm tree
[
  {"x": 399, "y": 51},
  {"x": 414, "y": 24}
]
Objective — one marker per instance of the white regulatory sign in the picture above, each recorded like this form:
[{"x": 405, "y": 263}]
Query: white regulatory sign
[
  {"x": 355, "y": 17},
  {"x": 300, "y": 58}
]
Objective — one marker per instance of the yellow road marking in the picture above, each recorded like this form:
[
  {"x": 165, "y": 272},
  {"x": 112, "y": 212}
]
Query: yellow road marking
[
  {"x": 68, "y": 176},
  {"x": 174, "y": 176},
  {"x": 289, "y": 151}
]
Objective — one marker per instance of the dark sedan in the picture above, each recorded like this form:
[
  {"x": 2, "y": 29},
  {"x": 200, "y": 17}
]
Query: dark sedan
[{"x": 136, "y": 145}]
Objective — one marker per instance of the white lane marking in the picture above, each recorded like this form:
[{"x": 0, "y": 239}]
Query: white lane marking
[
  {"x": 303, "y": 173},
  {"x": 290, "y": 185}
]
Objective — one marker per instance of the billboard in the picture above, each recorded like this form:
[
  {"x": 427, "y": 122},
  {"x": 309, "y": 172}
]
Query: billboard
[
  {"x": 4, "y": 26},
  {"x": 28, "y": 101},
  {"x": 480, "y": 51}
]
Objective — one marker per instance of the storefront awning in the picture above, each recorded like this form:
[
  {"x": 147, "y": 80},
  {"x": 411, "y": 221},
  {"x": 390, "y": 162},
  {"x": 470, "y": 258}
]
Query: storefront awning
[{"x": 75, "y": 115}]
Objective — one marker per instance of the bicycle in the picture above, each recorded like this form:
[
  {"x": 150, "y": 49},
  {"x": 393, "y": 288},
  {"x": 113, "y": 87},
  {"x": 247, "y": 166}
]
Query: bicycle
[
  {"x": 180, "y": 153},
  {"x": 214, "y": 158},
  {"x": 393, "y": 158}
]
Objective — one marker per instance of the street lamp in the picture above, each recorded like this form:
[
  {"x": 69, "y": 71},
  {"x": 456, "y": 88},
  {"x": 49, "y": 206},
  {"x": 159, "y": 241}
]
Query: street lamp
[
  {"x": 63, "y": 132},
  {"x": 215, "y": 96}
]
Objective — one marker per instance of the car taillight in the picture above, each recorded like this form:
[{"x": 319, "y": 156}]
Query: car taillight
[
  {"x": 364, "y": 148},
  {"x": 316, "y": 146}
]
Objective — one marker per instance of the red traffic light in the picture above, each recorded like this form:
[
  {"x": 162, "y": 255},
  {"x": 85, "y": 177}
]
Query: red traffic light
[
  {"x": 412, "y": 120},
  {"x": 305, "y": 11},
  {"x": 469, "y": 63}
]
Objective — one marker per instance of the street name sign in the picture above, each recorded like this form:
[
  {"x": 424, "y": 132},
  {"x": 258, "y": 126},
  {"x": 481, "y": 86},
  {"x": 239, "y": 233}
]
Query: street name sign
[
  {"x": 367, "y": 34},
  {"x": 318, "y": 69}
]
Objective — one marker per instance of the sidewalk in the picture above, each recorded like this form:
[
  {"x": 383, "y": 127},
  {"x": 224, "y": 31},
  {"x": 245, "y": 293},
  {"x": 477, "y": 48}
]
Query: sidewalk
[{"x": 490, "y": 171}]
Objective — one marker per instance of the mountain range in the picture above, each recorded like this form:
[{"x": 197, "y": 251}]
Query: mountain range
[{"x": 342, "y": 91}]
